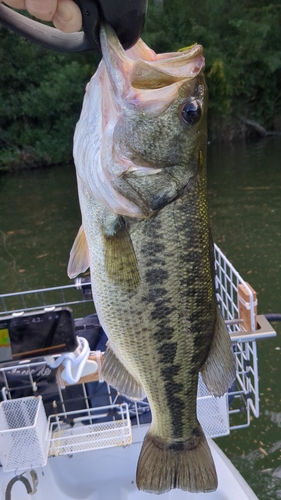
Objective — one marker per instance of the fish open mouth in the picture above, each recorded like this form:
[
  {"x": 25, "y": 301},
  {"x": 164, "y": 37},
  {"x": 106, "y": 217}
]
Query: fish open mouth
[
  {"x": 141, "y": 68},
  {"x": 166, "y": 69}
]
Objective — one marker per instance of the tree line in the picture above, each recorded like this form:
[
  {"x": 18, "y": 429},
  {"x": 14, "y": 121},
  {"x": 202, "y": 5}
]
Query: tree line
[{"x": 42, "y": 91}]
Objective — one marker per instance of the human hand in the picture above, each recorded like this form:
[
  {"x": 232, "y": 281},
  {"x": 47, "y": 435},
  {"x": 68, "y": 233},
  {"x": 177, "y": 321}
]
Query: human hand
[{"x": 64, "y": 14}]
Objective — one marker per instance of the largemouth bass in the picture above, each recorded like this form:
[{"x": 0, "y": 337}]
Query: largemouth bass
[{"x": 140, "y": 155}]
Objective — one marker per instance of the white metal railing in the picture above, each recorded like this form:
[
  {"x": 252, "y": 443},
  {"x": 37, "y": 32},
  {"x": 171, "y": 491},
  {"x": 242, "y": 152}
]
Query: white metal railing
[{"x": 74, "y": 294}]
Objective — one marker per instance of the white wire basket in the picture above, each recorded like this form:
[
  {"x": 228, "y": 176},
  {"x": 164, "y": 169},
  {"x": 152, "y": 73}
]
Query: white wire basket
[
  {"x": 244, "y": 395},
  {"x": 23, "y": 425},
  {"x": 212, "y": 413},
  {"x": 86, "y": 433}
]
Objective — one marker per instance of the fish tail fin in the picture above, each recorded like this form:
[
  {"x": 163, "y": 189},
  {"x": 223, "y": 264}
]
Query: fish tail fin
[
  {"x": 219, "y": 369},
  {"x": 187, "y": 465}
]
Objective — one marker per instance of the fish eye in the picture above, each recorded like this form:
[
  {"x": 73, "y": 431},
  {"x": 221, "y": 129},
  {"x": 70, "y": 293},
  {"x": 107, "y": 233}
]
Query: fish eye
[{"x": 191, "y": 112}]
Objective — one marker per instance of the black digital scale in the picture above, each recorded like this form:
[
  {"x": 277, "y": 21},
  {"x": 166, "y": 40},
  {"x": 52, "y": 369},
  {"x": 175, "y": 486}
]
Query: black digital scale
[{"x": 37, "y": 334}]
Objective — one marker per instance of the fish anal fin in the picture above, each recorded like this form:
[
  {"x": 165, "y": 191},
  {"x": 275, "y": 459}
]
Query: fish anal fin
[
  {"x": 117, "y": 375},
  {"x": 79, "y": 260},
  {"x": 120, "y": 259},
  {"x": 188, "y": 466},
  {"x": 219, "y": 369}
]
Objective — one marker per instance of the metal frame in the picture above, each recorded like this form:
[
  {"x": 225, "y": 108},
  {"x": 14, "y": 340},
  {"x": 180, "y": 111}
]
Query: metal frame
[{"x": 34, "y": 300}]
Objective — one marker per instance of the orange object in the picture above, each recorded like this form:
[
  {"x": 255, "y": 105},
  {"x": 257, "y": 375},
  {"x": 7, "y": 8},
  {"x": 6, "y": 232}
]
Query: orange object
[{"x": 245, "y": 309}]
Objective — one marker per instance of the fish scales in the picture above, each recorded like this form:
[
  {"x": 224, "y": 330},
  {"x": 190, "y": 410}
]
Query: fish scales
[
  {"x": 170, "y": 309},
  {"x": 150, "y": 251}
]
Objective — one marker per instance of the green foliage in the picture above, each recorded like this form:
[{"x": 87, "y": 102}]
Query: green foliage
[
  {"x": 41, "y": 98},
  {"x": 219, "y": 88},
  {"x": 42, "y": 91}
]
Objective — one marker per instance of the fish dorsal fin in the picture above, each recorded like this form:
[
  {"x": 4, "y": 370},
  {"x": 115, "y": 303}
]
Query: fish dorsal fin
[{"x": 79, "y": 260}]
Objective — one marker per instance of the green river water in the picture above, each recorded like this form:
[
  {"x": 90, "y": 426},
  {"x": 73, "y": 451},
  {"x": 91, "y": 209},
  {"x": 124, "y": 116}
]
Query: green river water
[{"x": 39, "y": 219}]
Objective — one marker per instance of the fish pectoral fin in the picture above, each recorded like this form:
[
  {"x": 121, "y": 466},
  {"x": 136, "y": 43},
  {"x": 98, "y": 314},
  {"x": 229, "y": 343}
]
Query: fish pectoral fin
[
  {"x": 116, "y": 374},
  {"x": 79, "y": 260},
  {"x": 120, "y": 258},
  {"x": 187, "y": 465},
  {"x": 219, "y": 369}
]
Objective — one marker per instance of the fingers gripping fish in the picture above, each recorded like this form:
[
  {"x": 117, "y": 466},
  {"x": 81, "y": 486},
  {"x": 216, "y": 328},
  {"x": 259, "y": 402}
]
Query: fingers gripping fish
[{"x": 140, "y": 155}]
